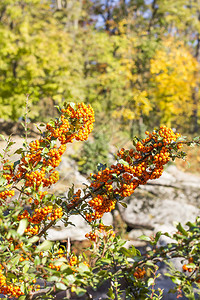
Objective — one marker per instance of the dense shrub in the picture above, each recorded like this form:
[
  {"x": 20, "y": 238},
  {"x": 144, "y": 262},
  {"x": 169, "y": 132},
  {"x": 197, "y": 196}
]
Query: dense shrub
[{"x": 28, "y": 209}]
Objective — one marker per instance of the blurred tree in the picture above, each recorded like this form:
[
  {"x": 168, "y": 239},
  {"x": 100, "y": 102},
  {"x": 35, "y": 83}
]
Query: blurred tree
[
  {"x": 31, "y": 55},
  {"x": 35, "y": 57},
  {"x": 147, "y": 24},
  {"x": 123, "y": 57},
  {"x": 180, "y": 20},
  {"x": 173, "y": 80}
]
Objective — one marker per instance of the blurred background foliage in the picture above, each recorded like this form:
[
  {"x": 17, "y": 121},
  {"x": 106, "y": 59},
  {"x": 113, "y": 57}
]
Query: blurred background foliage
[
  {"x": 93, "y": 152},
  {"x": 135, "y": 61}
]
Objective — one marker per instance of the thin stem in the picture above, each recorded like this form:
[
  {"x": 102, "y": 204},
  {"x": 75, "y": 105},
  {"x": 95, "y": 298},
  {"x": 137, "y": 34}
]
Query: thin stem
[
  {"x": 26, "y": 253},
  {"x": 46, "y": 228},
  {"x": 26, "y": 120}
]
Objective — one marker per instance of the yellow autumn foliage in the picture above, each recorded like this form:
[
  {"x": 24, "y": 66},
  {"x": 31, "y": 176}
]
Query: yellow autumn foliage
[{"x": 173, "y": 76}]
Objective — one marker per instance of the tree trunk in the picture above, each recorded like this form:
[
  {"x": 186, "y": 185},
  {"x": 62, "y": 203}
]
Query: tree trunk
[
  {"x": 196, "y": 89},
  {"x": 59, "y": 4}
]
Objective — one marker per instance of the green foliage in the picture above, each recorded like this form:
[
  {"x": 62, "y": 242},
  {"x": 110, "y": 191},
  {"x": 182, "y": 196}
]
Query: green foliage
[
  {"x": 93, "y": 152},
  {"x": 34, "y": 57},
  {"x": 56, "y": 51}
]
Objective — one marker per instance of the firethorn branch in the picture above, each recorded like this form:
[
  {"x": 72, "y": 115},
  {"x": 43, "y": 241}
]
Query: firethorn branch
[
  {"x": 36, "y": 171},
  {"x": 158, "y": 255},
  {"x": 45, "y": 228},
  {"x": 26, "y": 253}
]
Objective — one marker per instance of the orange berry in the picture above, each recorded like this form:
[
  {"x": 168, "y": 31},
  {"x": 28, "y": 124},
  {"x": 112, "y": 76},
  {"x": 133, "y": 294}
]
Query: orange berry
[{"x": 185, "y": 268}]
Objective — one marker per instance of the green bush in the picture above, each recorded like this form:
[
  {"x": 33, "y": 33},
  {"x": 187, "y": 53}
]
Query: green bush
[{"x": 33, "y": 267}]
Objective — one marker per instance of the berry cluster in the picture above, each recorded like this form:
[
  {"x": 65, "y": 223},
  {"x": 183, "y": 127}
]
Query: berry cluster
[
  {"x": 101, "y": 204},
  {"x": 7, "y": 193},
  {"x": 76, "y": 197},
  {"x": 72, "y": 260},
  {"x": 139, "y": 273},
  {"x": 44, "y": 155},
  {"x": 193, "y": 269},
  {"x": 8, "y": 289},
  {"x": 7, "y": 170},
  {"x": 36, "y": 170},
  {"x": 102, "y": 231},
  {"x": 134, "y": 168},
  {"x": 37, "y": 166},
  {"x": 38, "y": 215},
  {"x": 188, "y": 268},
  {"x": 83, "y": 115},
  {"x": 92, "y": 236}
]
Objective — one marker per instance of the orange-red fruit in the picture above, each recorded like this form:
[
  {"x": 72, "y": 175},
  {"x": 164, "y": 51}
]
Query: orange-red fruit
[{"x": 185, "y": 268}]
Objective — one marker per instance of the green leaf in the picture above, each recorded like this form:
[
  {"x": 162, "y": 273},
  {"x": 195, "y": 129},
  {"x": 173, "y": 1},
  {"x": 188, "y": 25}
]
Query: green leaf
[
  {"x": 53, "y": 278},
  {"x": 66, "y": 269},
  {"x": 123, "y": 162},
  {"x": 45, "y": 151},
  {"x": 158, "y": 235},
  {"x": 135, "y": 140},
  {"x": 22, "y": 226},
  {"x": 44, "y": 260},
  {"x": 101, "y": 167},
  {"x": 114, "y": 175},
  {"x": 3, "y": 181},
  {"x": 51, "y": 123},
  {"x": 22, "y": 298},
  {"x": 145, "y": 238},
  {"x": 104, "y": 261},
  {"x": 10, "y": 144},
  {"x": 37, "y": 260},
  {"x": 23, "y": 288},
  {"x": 190, "y": 224},
  {"x": 46, "y": 245},
  {"x": 102, "y": 273},
  {"x": 53, "y": 143},
  {"x": 69, "y": 279},
  {"x": 181, "y": 229},
  {"x": 150, "y": 264},
  {"x": 3, "y": 137},
  {"x": 26, "y": 267},
  {"x": 123, "y": 204},
  {"x": 80, "y": 291},
  {"x": 150, "y": 282},
  {"x": 19, "y": 151},
  {"x": 72, "y": 104},
  {"x": 176, "y": 280},
  {"x": 58, "y": 107},
  {"x": 11, "y": 275},
  {"x": 111, "y": 294},
  {"x": 125, "y": 251},
  {"x": 167, "y": 234},
  {"x": 59, "y": 261},
  {"x": 71, "y": 191},
  {"x": 15, "y": 259},
  {"x": 83, "y": 268},
  {"x": 33, "y": 239},
  {"x": 61, "y": 286},
  {"x": 17, "y": 162}
]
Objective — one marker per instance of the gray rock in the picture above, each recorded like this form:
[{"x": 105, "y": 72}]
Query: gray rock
[
  {"x": 136, "y": 233},
  {"x": 77, "y": 232},
  {"x": 69, "y": 173},
  {"x": 175, "y": 196}
]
